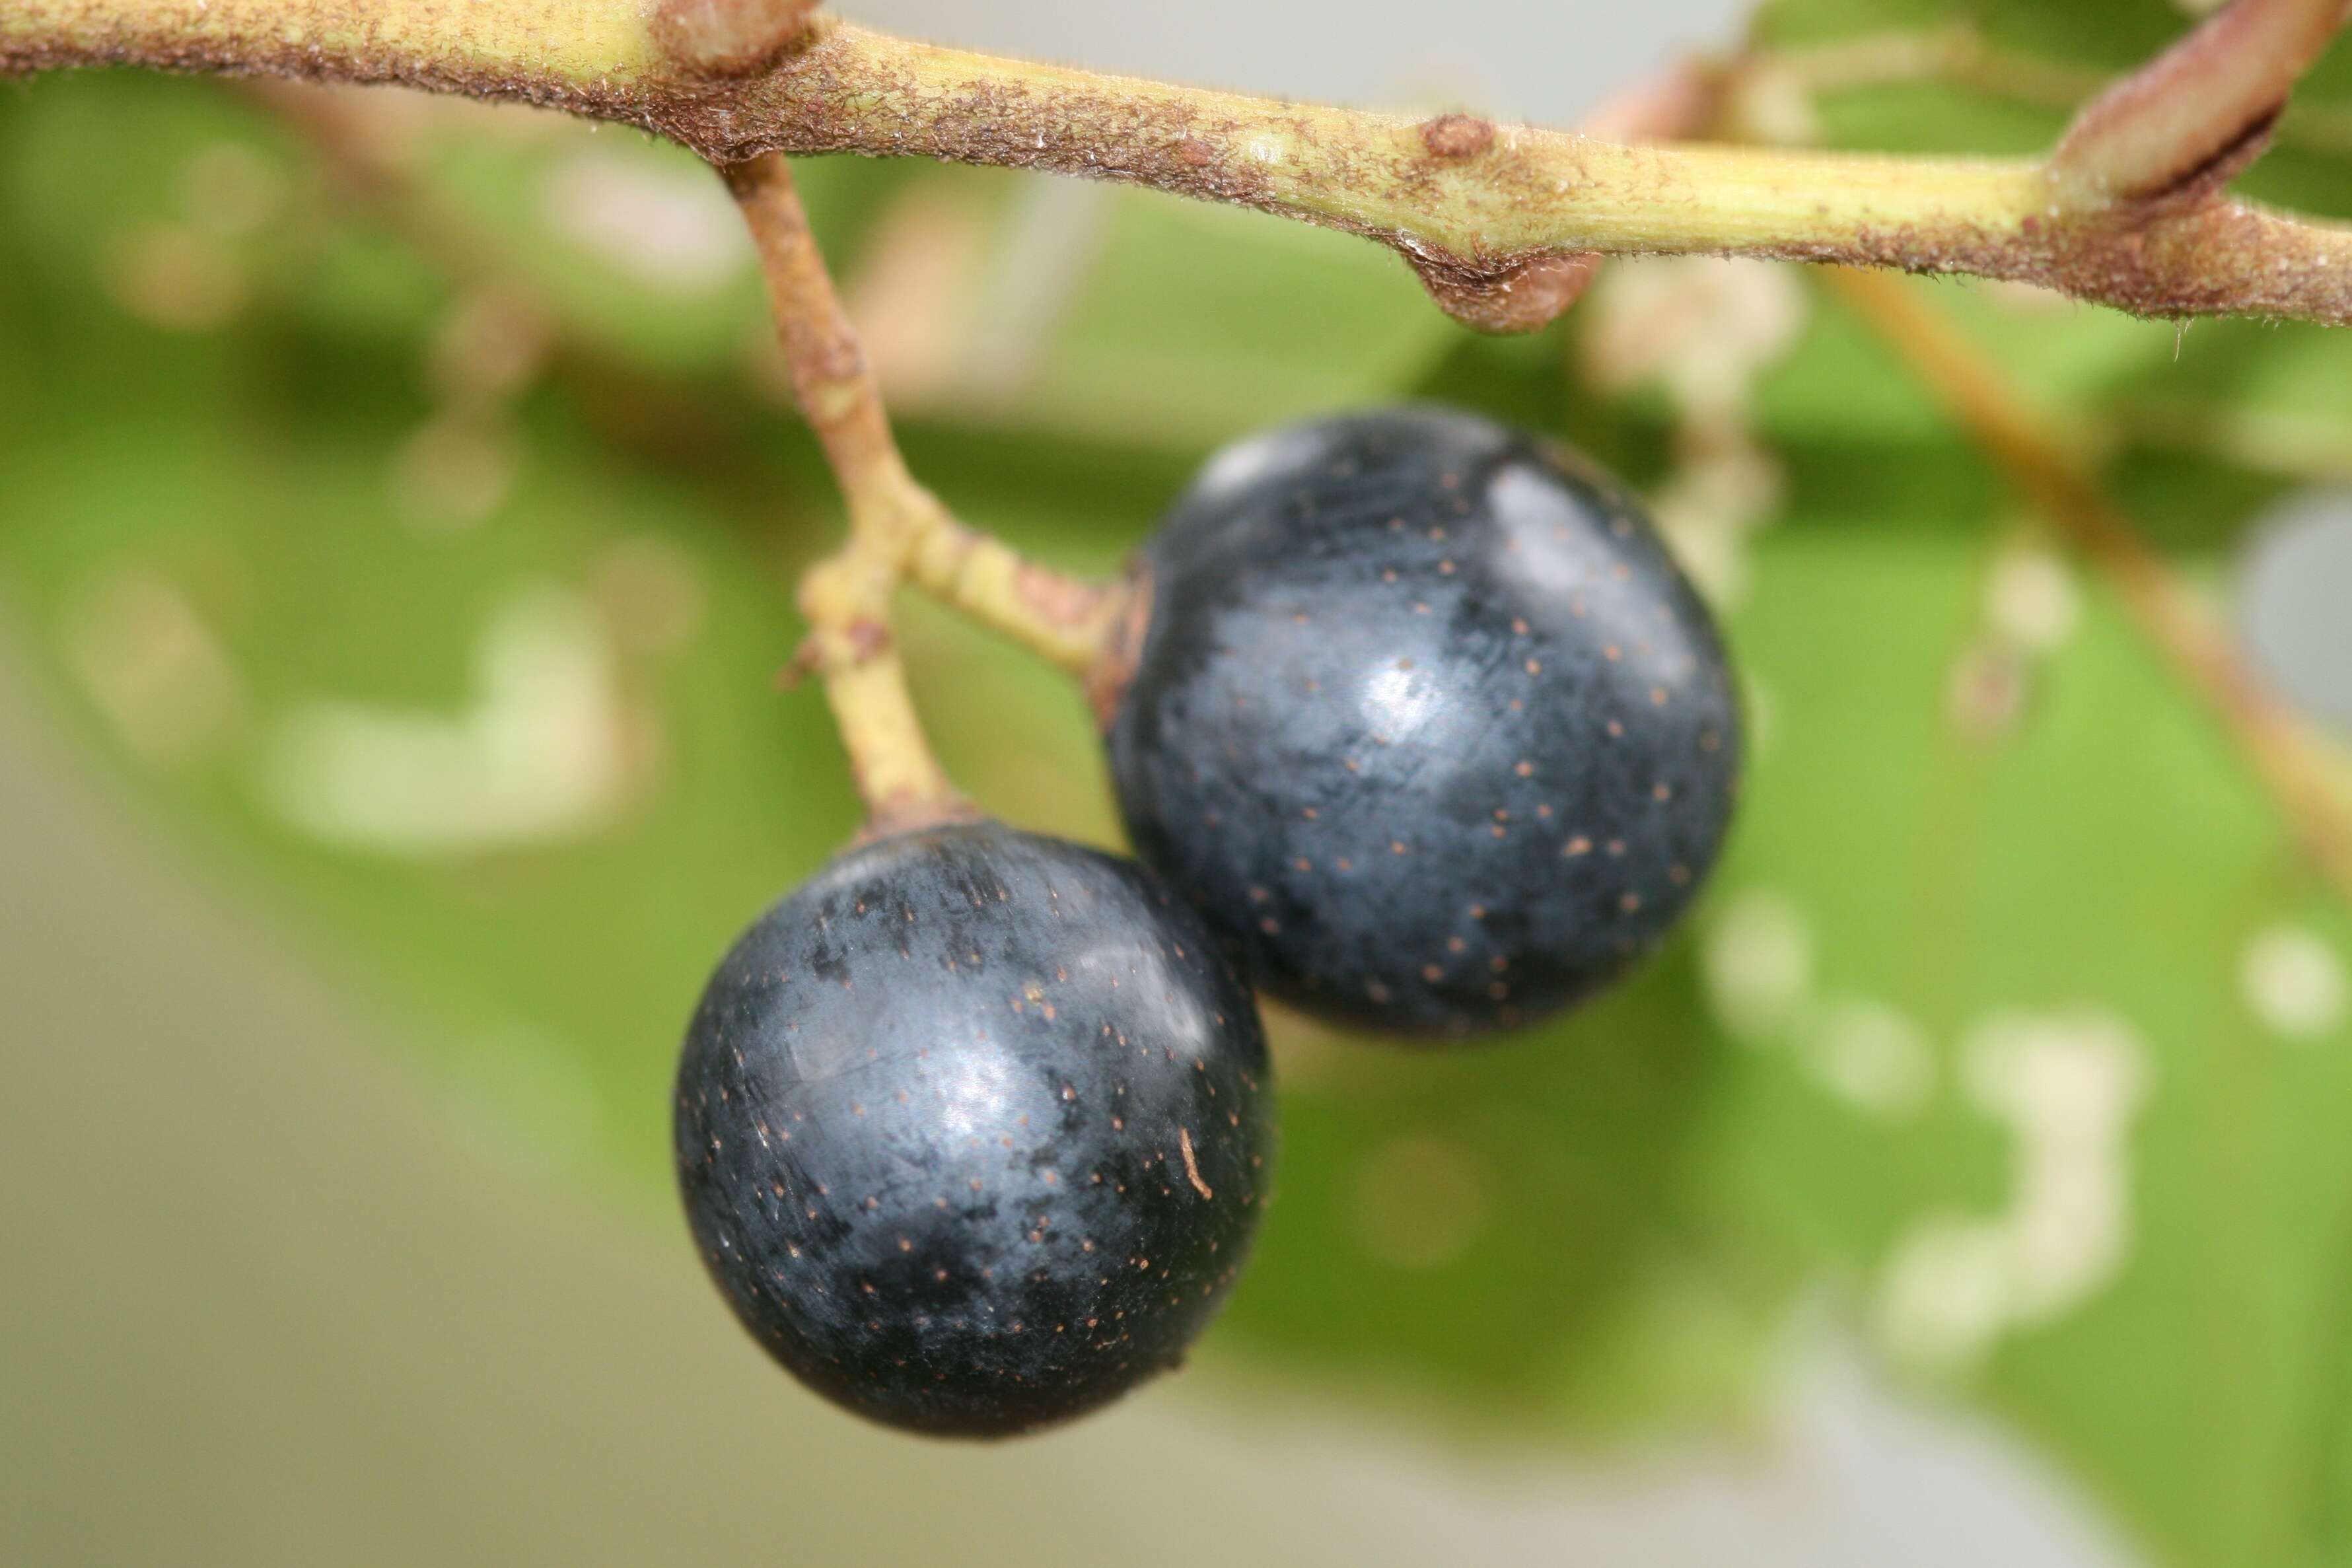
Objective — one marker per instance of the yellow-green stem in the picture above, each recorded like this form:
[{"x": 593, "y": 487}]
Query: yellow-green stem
[
  {"x": 897, "y": 528},
  {"x": 1472, "y": 206},
  {"x": 847, "y": 596},
  {"x": 1067, "y": 620}
]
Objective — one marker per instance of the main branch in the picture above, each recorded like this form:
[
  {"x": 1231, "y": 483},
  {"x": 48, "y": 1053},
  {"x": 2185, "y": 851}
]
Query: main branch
[{"x": 1480, "y": 209}]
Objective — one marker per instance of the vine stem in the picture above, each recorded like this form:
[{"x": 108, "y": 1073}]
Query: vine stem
[
  {"x": 897, "y": 529},
  {"x": 2000, "y": 419},
  {"x": 2126, "y": 212}
]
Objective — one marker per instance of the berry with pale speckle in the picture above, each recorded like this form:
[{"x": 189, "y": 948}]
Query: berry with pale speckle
[
  {"x": 973, "y": 1128},
  {"x": 1426, "y": 720}
]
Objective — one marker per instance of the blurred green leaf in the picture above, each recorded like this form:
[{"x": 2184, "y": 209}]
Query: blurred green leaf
[{"x": 1989, "y": 1033}]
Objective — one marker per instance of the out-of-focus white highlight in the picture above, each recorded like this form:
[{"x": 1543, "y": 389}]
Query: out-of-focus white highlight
[
  {"x": 2067, "y": 1086},
  {"x": 2293, "y": 982},
  {"x": 539, "y": 757}
]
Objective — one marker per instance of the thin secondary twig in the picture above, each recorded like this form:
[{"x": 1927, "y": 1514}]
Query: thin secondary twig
[
  {"x": 1472, "y": 206},
  {"x": 1998, "y": 418},
  {"x": 2273, "y": 736}
]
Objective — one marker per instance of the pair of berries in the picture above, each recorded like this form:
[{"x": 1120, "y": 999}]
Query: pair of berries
[{"x": 1424, "y": 734}]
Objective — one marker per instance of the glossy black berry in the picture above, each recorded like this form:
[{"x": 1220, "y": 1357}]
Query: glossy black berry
[
  {"x": 973, "y": 1128},
  {"x": 1425, "y": 721}
]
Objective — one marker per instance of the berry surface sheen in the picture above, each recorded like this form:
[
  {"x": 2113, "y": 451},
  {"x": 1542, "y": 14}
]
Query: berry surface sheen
[
  {"x": 973, "y": 1128},
  {"x": 1425, "y": 719}
]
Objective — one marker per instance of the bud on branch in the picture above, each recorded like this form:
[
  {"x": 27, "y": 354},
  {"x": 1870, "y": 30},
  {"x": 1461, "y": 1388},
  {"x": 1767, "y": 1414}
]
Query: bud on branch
[
  {"x": 2191, "y": 118},
  {"x": 730, "y": 38}
]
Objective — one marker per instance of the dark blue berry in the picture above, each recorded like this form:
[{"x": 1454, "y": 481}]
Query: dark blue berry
[
  {"x": 973, "y": 1128},
  {"x": 1425, "y": 721}
]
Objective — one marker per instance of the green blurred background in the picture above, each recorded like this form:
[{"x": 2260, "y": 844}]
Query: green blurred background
[{"x": 397, "y": 505}]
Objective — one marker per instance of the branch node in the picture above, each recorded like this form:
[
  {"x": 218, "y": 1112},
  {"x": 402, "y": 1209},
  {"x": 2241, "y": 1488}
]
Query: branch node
[
  {"x": 2189, "y": 119},
  {"x": 1518, "y": 295},
  {"x": 806, "y": 660},
  {"x": 730, "y": 37},
  {"x": 1113, "y": 669},
  {"x": 1457, "y": 135}
]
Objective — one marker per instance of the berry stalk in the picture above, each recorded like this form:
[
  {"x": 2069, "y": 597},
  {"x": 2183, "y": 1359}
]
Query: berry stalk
[
  {"x": 897, "y": 528},
  {"x": 846, "y": 597}
]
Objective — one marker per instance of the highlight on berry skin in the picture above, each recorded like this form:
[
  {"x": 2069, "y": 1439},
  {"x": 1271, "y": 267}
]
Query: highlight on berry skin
[
  {"x": 1425, "y": 721},
  {"x": 974, "y": 1129},
  {"x": 1422, "y": 733}
]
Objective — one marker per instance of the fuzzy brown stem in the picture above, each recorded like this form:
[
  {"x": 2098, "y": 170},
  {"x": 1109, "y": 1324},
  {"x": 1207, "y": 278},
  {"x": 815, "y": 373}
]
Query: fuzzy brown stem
[
  {"x": 1525, "y": 295},
  {"x": 1494, "y": 214},
  {"x": 831, "y": 380},
  {"x": 847, "y": 597},
  {"x": 897, "y": 528}
]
